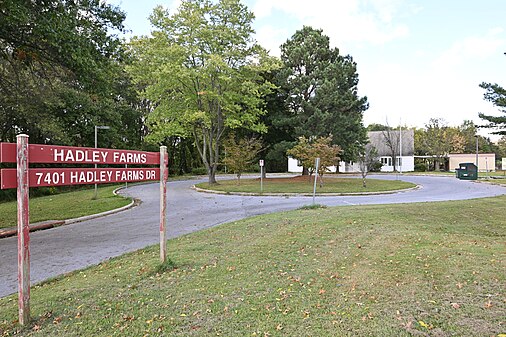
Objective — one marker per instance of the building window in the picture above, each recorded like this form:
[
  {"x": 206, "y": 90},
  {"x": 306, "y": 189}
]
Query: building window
[
  {"x": 386, "y": 161},
  {"x": 399, "y": 162}
]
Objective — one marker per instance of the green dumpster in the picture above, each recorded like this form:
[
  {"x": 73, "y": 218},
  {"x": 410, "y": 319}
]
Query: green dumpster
[{"x": 466, "y": 171}]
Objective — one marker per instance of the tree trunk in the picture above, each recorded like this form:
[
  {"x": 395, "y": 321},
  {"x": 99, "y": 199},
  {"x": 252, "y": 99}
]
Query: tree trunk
[
  {"x": 305, "y": 171},
  {"x": 212, "y": 174}
]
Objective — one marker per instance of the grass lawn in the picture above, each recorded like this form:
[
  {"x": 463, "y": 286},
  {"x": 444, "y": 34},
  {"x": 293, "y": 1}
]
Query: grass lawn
[
  {"x": 496, "y": 181},
  {"x": 430, "y": 269},
  {"x": 64, "y": 206},
  {"x": 303, "y": 184}
]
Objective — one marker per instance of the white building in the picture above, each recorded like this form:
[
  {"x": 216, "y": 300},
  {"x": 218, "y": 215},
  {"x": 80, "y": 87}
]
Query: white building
[{"x": 405, "y": 160}]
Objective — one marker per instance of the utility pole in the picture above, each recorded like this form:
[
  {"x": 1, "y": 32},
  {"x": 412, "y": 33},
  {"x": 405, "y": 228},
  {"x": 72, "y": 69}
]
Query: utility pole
[{"x": 101, "y": 127}]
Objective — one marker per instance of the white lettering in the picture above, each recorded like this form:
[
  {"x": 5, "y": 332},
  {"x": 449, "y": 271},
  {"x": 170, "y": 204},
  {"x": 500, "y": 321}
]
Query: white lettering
[
  {"x": 74, "y": 177},
  {"x": 39, "y": 176},
  {"x": 58, "y": 155},
  {"x": 69, "y": 156},
  {"x": 79, "y": 155}
]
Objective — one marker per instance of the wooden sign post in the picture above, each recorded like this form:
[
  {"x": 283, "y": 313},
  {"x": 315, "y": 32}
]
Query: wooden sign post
[
  {"x": 23, "y": 230},
  {"x": 163, "y": 203},
  {"x": 23, "y": 177}
]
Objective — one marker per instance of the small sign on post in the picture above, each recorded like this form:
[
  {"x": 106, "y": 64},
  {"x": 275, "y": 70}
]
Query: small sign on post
[
  {"x": 261, "y": 162},
  {"x": 317, "y": 164}
]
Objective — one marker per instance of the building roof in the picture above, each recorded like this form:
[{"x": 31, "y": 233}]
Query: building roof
[{"x": 379, "y": 140}]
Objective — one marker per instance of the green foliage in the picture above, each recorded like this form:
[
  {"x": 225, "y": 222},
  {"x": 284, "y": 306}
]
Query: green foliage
[
  {"x": 201, "y": 70},
  {"x": 420, "y": 167},
  {"x": 321, "y": 92},
  {"x": 240, "y": 154},
  {"x": 438, "y": 139},
  {"x": 199, "y": 171},
  {"x": 60, "y": 74},
  {"x": 495, "y": 94},
  {"x": 307, "y": 151},
  {"x": 166, "y": 266},
  {"x": 311, "y": 207},
  {"x": 377, "y": 127}
]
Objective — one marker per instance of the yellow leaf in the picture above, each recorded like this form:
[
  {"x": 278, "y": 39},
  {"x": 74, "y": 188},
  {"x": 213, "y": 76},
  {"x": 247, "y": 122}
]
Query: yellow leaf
[{"x": 423, "y": 324}]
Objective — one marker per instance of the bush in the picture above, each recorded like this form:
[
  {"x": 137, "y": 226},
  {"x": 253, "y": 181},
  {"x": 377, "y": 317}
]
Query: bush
[
  {"x": 420, "y": 167},
  {"x": 199, "y": 171},
  {"x": 376, "y": 167}
]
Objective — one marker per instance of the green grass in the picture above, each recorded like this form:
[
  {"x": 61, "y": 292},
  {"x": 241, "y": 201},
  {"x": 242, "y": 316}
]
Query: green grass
[
  {"x": 64, "y": 206},
  {"x": 305, "y": 185},
  {"x": 430, "y": 269}
]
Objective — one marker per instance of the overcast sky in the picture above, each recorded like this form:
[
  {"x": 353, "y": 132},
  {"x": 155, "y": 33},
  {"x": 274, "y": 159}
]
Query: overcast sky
[{"x": 417, "y": 59}]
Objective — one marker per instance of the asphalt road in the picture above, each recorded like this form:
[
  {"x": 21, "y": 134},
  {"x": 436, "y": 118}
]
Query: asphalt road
[{"x": 63, "y": 249}]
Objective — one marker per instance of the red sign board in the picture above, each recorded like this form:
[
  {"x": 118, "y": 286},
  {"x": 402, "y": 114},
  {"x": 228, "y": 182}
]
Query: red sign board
[
  {"x": 39, "y": 177},
  {"x": 78, "y": 155}
]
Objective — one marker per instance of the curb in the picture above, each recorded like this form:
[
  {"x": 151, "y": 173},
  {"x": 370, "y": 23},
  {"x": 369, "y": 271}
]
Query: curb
[
  {"x": 13, "y": 231},
  {"x": 198, "y": 189}
]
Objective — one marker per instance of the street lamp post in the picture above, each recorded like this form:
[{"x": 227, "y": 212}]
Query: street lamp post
[
  {"x": 101, "y": 127},
  {"x": 476, "y": 136}
]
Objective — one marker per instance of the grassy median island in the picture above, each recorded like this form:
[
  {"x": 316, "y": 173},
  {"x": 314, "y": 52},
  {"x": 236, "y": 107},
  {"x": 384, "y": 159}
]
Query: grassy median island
[
  {"x": 304, "y": 184},
  {"x": 64, "y": 206},
  {"x": 381, "y": 270}
]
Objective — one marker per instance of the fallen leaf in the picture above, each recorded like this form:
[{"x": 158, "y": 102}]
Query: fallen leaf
[
  {"x": 455, "y": 305},
  {"x": 488, "y": 305},
  {"x": 322, "y": 291}
]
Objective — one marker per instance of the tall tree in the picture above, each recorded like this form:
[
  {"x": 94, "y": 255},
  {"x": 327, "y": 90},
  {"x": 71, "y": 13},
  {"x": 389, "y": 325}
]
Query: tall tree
[
  {"x": 60, "y": 72},
  {"x": 201, "y": 69},
  {"x": 240, "y": 154},
  {"x": 497, "y": 95},
  {"x": 321, "y": 89}
]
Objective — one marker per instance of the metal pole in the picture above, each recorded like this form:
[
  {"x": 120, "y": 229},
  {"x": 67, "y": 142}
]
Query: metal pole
[
  {"x": 317, "y": 163},
  {"x": 400, "y": 149},
  {"x": 95, "y": 194},
  {"x": 163, "y": 203},
  {"x": 476, "y": 136},
  {"x": 261, "y": 179},
  {"x": 23, "y": 230}
]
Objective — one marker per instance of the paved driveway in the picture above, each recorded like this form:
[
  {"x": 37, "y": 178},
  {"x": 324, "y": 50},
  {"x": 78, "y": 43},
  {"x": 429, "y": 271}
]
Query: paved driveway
[{"x": 64, "y": 249}]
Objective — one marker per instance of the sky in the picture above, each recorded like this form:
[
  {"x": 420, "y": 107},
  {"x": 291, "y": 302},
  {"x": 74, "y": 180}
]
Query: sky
[{"x": 416, "y": 59}]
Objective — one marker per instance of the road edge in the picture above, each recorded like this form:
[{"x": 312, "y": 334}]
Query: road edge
[{"x": 47, "y": 224}]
